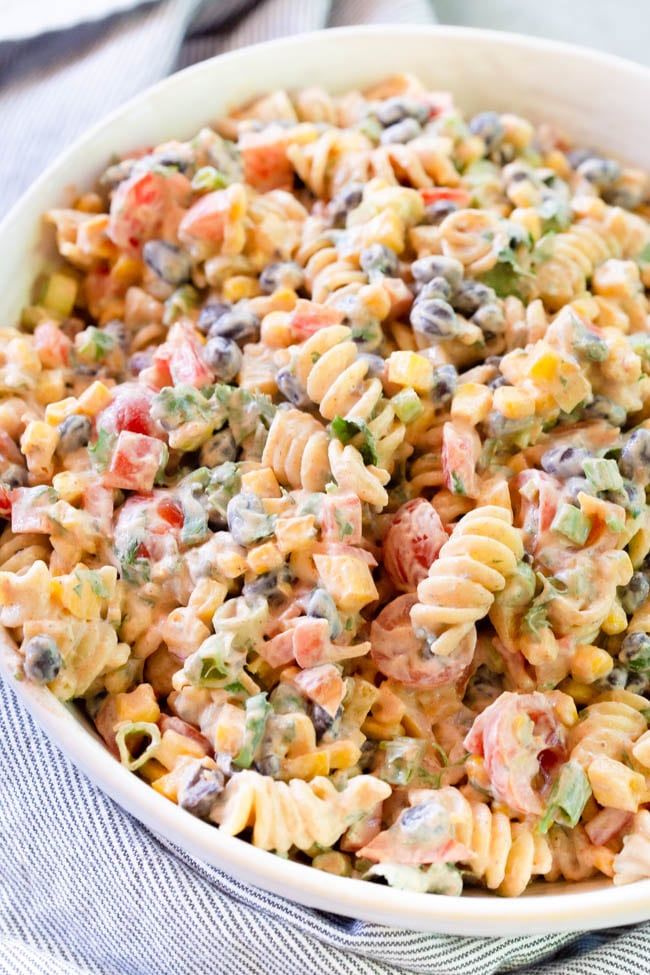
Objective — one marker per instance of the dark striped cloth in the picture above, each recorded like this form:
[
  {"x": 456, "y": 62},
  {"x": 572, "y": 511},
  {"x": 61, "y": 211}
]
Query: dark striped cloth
[{"x": 84, "y": 888}]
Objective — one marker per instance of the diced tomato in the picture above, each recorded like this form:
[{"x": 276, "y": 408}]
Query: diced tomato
[
  {"x": 5, "y": 502},
  {"x": 187, "y": 367},
  {"x": 171, "y": 512},
  {"x": 414, "y": 539},
  {"x": 98, "y": 502},
  {"x": 308, "y": 317},
  {"x": 460, "y": 451},
  {"x": 278, "y": 651},
  {"x": 146, "y": 205},
  {"x": 129, "y": 410},
  {"x": 53, "y": 345},
  {"x": 30, "y": 509},
  {"x": 323, "y": 685},
  {"x": 135, "y": 462},
  {"x": 435, "y": 193},
  {"x": 311, "y": 641},
  {"x": 205, "y": 218},
  {"x": 340, "y": 518},
  {"x": 266, "y": 166}
]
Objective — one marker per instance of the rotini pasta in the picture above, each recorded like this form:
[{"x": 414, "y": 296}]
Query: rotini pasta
[{"x": 324, "y": 457}]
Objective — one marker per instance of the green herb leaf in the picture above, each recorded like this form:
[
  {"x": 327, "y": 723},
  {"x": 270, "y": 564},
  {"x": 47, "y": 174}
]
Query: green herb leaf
[
  {"x": 567, "y": 799},
  {"x": 100, "y": 451},
  {"x": 346, "y": 430}
]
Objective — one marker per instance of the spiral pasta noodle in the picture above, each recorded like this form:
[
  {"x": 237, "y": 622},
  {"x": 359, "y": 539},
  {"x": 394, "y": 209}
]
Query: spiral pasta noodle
[{"x": 481, "y": 553}]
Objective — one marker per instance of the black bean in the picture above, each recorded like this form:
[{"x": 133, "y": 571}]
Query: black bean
[
  {"x": 14, "y": 476},
  {"x": 435, "y": 213},
  {"x": 634, "y": 461},
  {"x": 291, "y": 389},
  {"x": 563, "y": 461},
  {"x": 221, "y": 447},
  {"x": 635, "y": 593},
  {"x": 434, "y": 317},
  {"x": 396, "y": 109},
  {"x": 616, "y": 678},
  {"x": 179, "y": 156},
  {"x": 635, "y": 652},
  {"x": 445, "y": 380},
  {"x": 169, "y": 262},
  {"x": 199, "y": 794},
  {"x": 223, "y": 356},
  {"x": 637, "y": 683},
  {"x": 271, "y": 585},
  {"x": 347, "y": 199},
  {"x": 602, "y": 407},
  {"x": 489, "y": 127},
  {"x": 470, "y": 295},
  {"x": 41, "y": 659},
  {"x": 497, "y": 382},
  {"x": 321, "y": 719},
  {"x": 577, "y": 156},
  {"x": 281, "y": 274},
  {"x": 74, "y": 433},
  {"x": 628, "y": 197},
  {"x": 239, "y": 324},
  {"x": 375, "y": 363},
  {"x": 368, "y": 755},
  {"x": 401, "y": 132},
  {"x": 599, "y": 172},
  {"x": 427, "y": 268},
  {"x": 499, "y": 427},
  {"x": 490, "y": 318},
  {"x": 435, "y": 288},
  {"x": 379, "y": 259},
  {"x": 269, "y": 765},
  {"x": 117, "y": 329},
  {"x": 322, "y": 606},
  {"x": 247, "y": 520},
  {"x": 211, "y": 313}
]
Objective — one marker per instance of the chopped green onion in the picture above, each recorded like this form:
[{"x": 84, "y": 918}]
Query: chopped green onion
[
  {"x": 603, "y": 474},
  {"x": 59, "y": 294},
  {"x": 257, "y": 711},
  {"x": 180, "y": 303},
  {"x": 572, "y": 523},
  {"x": 568, "y": 798},
  {"x": 401, "y": 757},
  {"x": 407, "y": 405},
  {"x": 207, "y": 178},
  {"x": 127, "y": 728}
]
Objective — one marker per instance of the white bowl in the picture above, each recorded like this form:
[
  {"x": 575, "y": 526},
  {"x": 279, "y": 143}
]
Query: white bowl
[{"x": 600, "y": 101}]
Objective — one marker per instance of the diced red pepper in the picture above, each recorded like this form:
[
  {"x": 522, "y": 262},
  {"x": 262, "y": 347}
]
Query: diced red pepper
[
  {"x": 135, "y": 462},
  {"x": 340, "y": 518},
  {"x": 129, "y": 410},
  {"x": 266, "y": 166},
  {"x": 5, "y": 502},
  {"x": 458, "y": 196},
  {"x": 308, "y": 317},
  {"x": 53, "y": 345},
  {"x": 30, "y": 509},
  {"x": 171, "y": 512}
]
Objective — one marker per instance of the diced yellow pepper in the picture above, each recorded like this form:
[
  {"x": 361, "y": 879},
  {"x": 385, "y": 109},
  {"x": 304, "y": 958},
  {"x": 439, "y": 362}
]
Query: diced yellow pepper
[
  {"x": 138, "y": 705},
  {"x": 262, "y": 482},
  {"x": 230, "y": 563},
  {"x": 50, "y": 386},
  {"x": 95, "y": 398},
  {"x": 581, "y": 693},
  {"x": 348, "y": 580},
  {"x": 264, "y": 558},
  {"x": 174, "y": 746},
  {"x": 410, "y": 369}
]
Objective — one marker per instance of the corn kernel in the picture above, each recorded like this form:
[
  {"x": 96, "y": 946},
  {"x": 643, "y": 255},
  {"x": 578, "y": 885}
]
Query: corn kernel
[
  {"x": 590, "y": 663},
  {"x": 294, "y": 533},
  {"x": 69, "y": 486},
  {"x": 513, "y": 403},
  {"x": 262, "y": 482},
  {"x": 410, "y": 369},
  {"x": 240, "y": 286},
  {"x": 581, "y": 693},
  {"x": 126, "y": 270},
  {"x": 471, "y": 402},
  {"x": 276, "y": 330},
  {"x": 56, "y": 413},
  {"x": 264, "y": 558},
  {"x": 94, "y": 399},
  {"x": 615, "y": 621}
]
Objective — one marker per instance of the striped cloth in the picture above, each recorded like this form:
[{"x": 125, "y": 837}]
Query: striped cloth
[{"x": 84, "y": 888}]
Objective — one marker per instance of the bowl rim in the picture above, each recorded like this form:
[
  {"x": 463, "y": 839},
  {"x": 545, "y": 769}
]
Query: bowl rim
[{"x": 485, "y": 914}]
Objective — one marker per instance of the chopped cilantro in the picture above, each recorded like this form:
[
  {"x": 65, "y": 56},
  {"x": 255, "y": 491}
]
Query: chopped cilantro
[
  {"x": 346, "y": 430},
  {"x": 345, "y": 528},
  {"x": 457, "y": 483},
  {"x": 100, "y": 451}
]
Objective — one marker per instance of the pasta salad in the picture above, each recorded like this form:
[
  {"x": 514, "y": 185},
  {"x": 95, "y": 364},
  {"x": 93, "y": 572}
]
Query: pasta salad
[{"x": 324, "y": 456}]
